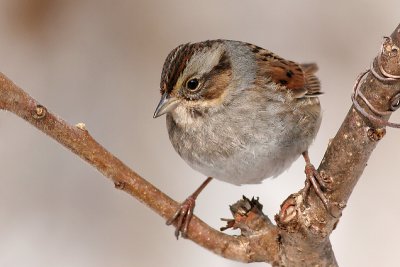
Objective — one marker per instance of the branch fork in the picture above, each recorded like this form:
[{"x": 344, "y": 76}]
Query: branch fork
[{"x": 301, "y": 234}]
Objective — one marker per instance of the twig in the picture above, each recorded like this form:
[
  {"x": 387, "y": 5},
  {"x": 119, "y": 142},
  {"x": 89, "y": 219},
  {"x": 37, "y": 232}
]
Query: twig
[
  {"x": 301, "y": 237},
  {"x": 78, "y": 140}
]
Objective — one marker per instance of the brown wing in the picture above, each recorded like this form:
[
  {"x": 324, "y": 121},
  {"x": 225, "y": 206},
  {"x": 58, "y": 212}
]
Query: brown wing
[{"x": 299, "y": 78}]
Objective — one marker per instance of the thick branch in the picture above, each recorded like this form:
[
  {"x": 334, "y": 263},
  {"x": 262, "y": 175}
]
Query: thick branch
[
  {"x": 343, "y": 163},
  {"x": 302, "y": 235}
]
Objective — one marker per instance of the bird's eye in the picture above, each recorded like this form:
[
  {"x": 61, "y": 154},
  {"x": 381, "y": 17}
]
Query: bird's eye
[{"x": 192, "y": 84}]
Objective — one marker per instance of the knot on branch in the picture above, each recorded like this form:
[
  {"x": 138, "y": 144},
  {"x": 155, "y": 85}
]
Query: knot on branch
[
  {"x": 395, "y": 102},
  {"x": 247, "y": 216},
  {"x": 296, "y": 217},
  {"x": 376, "y": 134},
  {"x": 287, "y": 217},
  {"x": 119, "y": 185},
  {"x": 39, "y": 112},
  {"x": 81, "y": 126}
]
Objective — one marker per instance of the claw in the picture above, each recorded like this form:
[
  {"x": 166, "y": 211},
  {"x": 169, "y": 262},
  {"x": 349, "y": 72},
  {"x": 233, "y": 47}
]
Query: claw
[
  {"x": 183, "y": 216},
  {"x": 315, "y": 180},
  {"x": 184, "y": 213}
]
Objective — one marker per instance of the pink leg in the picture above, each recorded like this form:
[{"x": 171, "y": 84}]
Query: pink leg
[
  {"x": 185, "y": 211},
  {"x": 318, "y": 184}
]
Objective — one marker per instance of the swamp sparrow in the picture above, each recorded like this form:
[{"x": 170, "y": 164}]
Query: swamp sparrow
[{"x": 237, "y": 112}]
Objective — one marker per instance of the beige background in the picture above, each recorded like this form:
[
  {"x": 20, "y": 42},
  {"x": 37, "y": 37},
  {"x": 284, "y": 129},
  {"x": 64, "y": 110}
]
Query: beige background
[{"x": 99, "y": 62}]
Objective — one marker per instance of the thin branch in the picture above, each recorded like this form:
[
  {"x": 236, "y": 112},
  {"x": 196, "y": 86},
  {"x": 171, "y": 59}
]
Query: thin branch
[
  {"x": 79, "y": 141},
  {"x": 301, "y": 236}
]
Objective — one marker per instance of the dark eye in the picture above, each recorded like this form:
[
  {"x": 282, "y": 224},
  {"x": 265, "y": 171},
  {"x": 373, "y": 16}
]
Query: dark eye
[{"x": 192, "y": 84}]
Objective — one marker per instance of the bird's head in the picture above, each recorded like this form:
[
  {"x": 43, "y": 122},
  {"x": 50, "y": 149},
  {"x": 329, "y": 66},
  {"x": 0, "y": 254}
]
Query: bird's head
[{"x": 194, "y": 79}]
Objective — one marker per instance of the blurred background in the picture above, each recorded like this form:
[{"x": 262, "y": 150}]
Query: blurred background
[{"x": 99, "y": 62}]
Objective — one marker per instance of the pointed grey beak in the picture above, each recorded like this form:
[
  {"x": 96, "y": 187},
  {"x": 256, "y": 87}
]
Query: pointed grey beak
[{"x": 167, "y": 103}]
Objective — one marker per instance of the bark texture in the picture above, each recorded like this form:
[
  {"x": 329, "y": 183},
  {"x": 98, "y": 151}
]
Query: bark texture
[{"x": 301, "y": 234}]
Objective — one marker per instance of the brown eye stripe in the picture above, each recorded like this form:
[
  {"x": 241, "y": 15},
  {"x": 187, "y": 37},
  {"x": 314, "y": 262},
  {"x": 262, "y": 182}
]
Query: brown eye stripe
[
  {"x": 176, "y": 62},
  {"x": 218, "y": 78}
]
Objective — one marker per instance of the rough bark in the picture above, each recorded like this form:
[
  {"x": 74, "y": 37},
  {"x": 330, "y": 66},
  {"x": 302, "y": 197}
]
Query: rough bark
[{"x": 301, "y": 235}]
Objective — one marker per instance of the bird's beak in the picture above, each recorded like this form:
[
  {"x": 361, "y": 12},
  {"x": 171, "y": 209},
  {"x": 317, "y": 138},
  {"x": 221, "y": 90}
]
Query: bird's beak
[{"x": 167, "y": 103}]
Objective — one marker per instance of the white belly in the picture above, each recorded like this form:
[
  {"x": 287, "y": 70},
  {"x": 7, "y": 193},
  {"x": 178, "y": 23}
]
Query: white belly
[
  {"x": 245, "y": 146},
  {"x": 251, "y": 165}
]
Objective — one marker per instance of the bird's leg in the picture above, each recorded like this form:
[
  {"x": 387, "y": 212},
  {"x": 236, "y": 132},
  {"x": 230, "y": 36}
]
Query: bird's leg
[
  {"x": 315, "y": 181},
  {"x": 185, "y": 211}
]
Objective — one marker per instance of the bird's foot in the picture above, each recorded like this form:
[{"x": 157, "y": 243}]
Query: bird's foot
[
  {"x": 184, "y": 213},
  {"x": 183, "y": 216},
  {"x": 315, "y": 180}
]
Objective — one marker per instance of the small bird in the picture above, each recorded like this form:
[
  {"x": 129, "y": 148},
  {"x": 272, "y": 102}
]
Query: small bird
[{"x": 238, "y": 113}]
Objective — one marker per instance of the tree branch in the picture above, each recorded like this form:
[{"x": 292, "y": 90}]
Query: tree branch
[
  {"x": 302, "y": 232},
  {"x": 342, "y": 165},
  {"x": 79, "y": 141}
]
